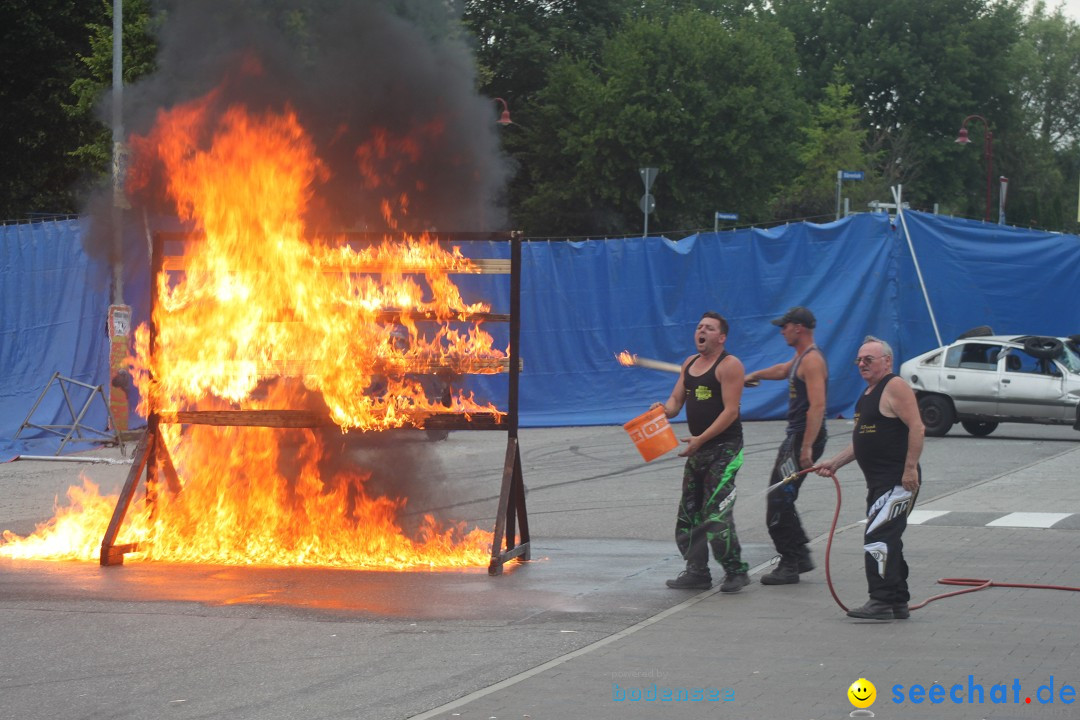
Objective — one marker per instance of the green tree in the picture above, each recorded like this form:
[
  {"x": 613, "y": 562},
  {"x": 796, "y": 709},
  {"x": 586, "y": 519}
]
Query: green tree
[
  {"x": 835, "y": 140},
  {"x": 139, "y": 49},
  {"x": 40, "y": 43},
  {"x": 918, "y": 68},
  {"x": 518, "y": 41},
  {"x": 1049, "y": 79},
  {"x": 694, "y": 94},
  {"x": 1043, "y": 162}
]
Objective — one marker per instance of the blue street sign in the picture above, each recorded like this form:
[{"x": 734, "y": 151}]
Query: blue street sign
[
  {"x": 727, "y": 216},
  {"x": 851, "y": 174}
]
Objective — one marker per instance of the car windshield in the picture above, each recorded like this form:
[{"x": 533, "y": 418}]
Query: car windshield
[{"x": 1070, "y": 359}]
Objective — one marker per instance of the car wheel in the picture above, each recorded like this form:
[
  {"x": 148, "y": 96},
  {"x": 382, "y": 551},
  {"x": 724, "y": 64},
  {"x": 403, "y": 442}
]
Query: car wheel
[
  {"x": 937, "y": 414},
  {"x": 1043, "y": 347},
  {"x": 979, "y": 428}
]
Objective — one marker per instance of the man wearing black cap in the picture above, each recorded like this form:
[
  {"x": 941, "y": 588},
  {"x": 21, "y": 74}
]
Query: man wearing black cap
[{"x": 807, "y": 375}]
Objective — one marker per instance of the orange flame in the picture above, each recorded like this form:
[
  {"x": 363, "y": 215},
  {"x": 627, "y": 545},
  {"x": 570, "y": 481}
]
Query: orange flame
[
  {"x": 264, "y": 317},
  {"x": 625, "y": 358},
  {"x": 244, "y": 516}
]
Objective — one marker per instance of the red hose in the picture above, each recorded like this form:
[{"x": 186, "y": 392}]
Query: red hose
[
  {"x": 970, "y": 584},
  {"x": 828, "y": 547}
]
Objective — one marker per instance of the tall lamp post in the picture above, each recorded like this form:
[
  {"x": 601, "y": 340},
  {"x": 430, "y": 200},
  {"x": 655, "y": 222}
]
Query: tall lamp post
[
  {"x": 988, "y": 153},
  {"x": 119, "y": 317}
]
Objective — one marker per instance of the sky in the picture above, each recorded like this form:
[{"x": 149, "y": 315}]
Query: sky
[{"x": 1071, "y": 8}]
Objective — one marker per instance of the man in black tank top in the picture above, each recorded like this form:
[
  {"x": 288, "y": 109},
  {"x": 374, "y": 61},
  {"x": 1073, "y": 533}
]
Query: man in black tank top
[
  {"x": 807, "y": 375},
  {"x": 886, "y": 442},
  {"x": 710, "y": 385}
]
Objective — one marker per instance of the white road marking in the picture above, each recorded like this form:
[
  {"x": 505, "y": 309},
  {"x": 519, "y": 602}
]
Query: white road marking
[{"x": 1029, "y": 519}]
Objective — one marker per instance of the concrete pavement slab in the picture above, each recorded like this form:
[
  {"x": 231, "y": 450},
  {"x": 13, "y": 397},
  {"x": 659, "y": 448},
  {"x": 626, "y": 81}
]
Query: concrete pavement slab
[{"x": 551, "y": 638}]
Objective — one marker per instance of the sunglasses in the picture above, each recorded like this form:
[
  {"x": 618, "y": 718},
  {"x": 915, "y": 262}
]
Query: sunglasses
[{"x": 867, "y": 359}]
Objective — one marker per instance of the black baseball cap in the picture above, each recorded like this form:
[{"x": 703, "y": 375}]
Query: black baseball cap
[{"x": 798, "y": 315}]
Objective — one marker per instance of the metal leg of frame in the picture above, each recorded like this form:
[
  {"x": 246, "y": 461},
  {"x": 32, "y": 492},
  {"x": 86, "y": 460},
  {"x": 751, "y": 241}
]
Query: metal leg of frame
[
  {"x": 26, "y": 422},
  {"x": 510, "y": 513},
  {"x": 111, "y": 553}
]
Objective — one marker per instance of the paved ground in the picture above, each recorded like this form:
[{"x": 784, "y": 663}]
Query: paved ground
[{"x": 588, "y": 618}]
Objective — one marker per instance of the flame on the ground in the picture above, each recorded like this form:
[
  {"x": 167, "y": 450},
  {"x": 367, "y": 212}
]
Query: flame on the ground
[
  {"x": 234, "y": 512},
  {"x": 262, "y": 317}
]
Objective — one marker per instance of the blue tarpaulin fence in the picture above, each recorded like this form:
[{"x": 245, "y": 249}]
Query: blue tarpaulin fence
[
  {"x": 583, "y": 302},
  {"x": 53, "y": 301}
]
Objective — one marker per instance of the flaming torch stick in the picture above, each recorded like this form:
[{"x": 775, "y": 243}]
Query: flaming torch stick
[{"x": 629, "y": 360}]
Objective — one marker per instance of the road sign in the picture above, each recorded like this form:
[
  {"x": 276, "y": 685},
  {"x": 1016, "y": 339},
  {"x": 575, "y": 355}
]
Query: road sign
[
  {"x": 648, "y": 174},
  {"x": 648, "y": 202},
  {"x": 841, "y": 176},
  {"x": 727, "y": 216}
]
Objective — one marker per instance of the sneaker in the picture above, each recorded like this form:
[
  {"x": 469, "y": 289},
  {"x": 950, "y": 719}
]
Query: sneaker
[
  {"x": 734, "y": 582},
  {"x": 805, "y": 564},
  {"x": 900, "y": 611},
  {"x": 873, "y": 610},
  {"x": 785, "y": 573},
  {"x": 691, "y": 581}
]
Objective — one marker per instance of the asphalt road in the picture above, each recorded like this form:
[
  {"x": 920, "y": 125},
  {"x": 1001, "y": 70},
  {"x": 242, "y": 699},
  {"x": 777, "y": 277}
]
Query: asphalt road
[{"x": 157, "y": 640}]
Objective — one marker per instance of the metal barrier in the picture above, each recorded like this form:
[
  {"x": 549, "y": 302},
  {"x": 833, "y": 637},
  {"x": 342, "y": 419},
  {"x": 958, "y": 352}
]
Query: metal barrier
[
  {"x": 511, "y": 532},
  {"x": 77, "y": 430}
]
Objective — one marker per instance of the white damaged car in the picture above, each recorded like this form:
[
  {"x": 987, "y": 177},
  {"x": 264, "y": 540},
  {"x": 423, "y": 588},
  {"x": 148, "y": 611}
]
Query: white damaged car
[{"x": 984, "y": 379}]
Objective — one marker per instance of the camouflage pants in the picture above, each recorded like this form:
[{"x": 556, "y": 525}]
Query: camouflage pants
[{"x": 706, "y": 511}]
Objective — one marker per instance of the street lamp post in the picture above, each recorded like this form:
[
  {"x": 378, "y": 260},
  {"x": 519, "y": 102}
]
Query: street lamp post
[
  {"x": 988, "y": 153},
  {"x": 118, "y": 152},
  {"x": 119, "y": 316}
]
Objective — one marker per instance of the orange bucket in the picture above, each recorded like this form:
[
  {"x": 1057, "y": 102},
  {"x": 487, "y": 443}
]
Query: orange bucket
[{"x": 652, "y": 434}]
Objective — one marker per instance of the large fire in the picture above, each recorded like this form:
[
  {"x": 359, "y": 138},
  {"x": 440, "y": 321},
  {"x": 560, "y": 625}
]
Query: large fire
[{"x": 259, "y": 315}]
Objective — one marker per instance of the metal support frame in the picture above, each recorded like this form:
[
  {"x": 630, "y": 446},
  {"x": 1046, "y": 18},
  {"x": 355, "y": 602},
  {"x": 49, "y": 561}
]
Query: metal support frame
[
  {"x": 897, "y": 191},
  {"x": 74, "y": 431},
  {"x": 511, "y": 534},
  {"x": 150, "y": 455},
  {"x": 507, "y": 542}
]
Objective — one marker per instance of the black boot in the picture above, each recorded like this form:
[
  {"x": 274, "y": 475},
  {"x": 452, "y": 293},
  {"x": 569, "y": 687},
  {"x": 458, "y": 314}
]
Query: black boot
[
  {"x": 786, "y": 572},
  {"x": 734, "y": 582},
  {"x": 691, "y": 580},
  {"x": 805, "y": 564},
  {"x": 873, "y": 610}
]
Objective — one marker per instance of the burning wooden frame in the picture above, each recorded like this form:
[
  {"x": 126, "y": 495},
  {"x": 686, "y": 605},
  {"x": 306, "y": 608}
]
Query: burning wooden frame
[{"x": 511, "y": 532}]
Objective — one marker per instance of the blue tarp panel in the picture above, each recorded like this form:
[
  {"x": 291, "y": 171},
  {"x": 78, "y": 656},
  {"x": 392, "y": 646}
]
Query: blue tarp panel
[
  {"x": 583, "y": 302},
  {"x": 1012, "y": 279},
  {"x": 53, "y": 306}
]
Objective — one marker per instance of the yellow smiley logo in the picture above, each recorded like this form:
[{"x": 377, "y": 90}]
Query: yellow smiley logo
[{"x": 862, "y": 693}]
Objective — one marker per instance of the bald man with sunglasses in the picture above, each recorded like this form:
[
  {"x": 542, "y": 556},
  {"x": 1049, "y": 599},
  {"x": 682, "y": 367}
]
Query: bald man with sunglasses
[{"x": 887, "y": 442}]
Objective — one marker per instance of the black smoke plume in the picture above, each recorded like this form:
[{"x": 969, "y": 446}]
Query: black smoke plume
[{"x": 353, "y": 71}]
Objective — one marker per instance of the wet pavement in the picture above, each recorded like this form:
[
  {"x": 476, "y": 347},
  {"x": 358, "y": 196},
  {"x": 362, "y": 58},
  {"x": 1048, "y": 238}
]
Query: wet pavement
[{"x": 588, "y": 617}]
